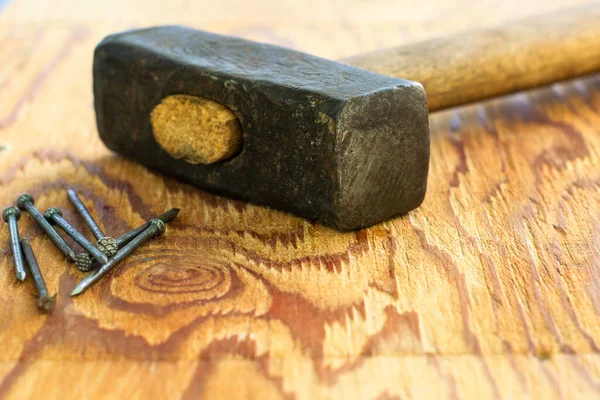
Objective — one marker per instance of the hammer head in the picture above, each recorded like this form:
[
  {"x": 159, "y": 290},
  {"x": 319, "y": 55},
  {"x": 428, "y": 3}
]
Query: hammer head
[{"x": 323, "y": 140}]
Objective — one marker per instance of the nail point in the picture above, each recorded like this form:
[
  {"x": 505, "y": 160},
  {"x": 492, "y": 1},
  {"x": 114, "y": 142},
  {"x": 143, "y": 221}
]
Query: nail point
[
  {"x": 21, "y": 275},
  {"x": 46, "y": 304},
  {"x": 77, "y": 290},
  {"x": 104, "y": 258},
  {"x": 169, "y": 215}
]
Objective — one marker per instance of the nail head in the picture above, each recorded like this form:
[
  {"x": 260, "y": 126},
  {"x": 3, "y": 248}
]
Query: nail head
[
  {"x": 11, "y": 211},
  {"x": 83, "y": 262},
  {"x": 160, "y": 225},
  {"x": 108, "y": 246},
  {"x": 24, "y": 198},
  {"x": 51, "y": 212}
]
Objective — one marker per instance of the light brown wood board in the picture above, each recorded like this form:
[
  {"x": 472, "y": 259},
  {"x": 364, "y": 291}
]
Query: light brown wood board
[{"x": 490, "y": 290}]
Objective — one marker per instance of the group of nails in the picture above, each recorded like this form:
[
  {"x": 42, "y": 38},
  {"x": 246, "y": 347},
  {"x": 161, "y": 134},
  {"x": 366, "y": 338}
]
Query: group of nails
[{"x": 99, "y": 258}]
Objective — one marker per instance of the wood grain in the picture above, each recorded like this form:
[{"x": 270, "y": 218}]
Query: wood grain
[
  {"x": 491, "y": 289},
  {"x": 477, "y": 65}
]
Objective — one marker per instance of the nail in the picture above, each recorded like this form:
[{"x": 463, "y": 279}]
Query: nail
[
  {"x": 45, "y": 302},
  {"x": 156, "y": 227},
  {"x": 84, "y": 262},
  {"x": 54, "y": 215},
  {"x": 165, "y": 217},
  {"x": 11, "y": 215},
  {"x": 87, "y": 217},
  {"x": 25, "y": 202},
  {"x": 105, "y": 244}
]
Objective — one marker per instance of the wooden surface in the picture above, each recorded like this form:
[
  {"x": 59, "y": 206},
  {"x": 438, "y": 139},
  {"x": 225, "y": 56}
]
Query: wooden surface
[
  {"x": 477, "y": 65},
  {"x": 490, "y": 290}
]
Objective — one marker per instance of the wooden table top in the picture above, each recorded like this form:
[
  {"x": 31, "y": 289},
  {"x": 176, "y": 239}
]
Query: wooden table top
[{"x": 491, "y": 289}]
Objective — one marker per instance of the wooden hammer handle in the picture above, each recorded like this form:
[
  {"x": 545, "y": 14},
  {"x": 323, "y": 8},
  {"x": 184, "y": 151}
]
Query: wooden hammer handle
[{"x": 476, "y": 65}]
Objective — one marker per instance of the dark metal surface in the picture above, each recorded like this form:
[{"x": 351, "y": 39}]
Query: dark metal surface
[
  {"x": 156, "y": 227},
  {"x": 327, "y": 141},
  {"x": 45, "y": 302},
  {"x": 11, "y": 215},
  {"x": 55, "y": 215},
  {"x": 25, "y": 202}
]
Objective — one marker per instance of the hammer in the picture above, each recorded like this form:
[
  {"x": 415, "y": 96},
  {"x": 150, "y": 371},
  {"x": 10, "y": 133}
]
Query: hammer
[{"x": 328, "y": 141}]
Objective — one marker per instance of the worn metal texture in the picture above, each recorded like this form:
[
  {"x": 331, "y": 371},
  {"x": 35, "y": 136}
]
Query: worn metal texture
[{"x": 326, "y": 141}]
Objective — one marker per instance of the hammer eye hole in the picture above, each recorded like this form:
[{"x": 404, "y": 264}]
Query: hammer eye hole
[{"x": 195, "y": 129}]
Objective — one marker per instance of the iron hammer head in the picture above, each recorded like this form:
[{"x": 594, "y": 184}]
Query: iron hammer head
[{"x": 323, "y": 140}]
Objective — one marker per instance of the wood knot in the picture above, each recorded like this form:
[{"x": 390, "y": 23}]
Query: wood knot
[{"x": 195, "y": 129}]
